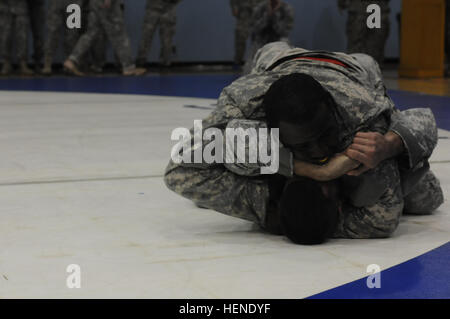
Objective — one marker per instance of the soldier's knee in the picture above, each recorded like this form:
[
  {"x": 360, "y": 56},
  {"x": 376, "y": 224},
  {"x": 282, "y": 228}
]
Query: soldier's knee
[
  {"x": 387, "y": 230},
  {"x": 382, "y": 224},
  {"x": 425, "y": 198},
  {"x": 426, "y": 206}
]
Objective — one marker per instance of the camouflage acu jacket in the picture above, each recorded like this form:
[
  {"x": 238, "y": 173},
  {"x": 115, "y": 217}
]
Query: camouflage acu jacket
[{"x": 239, "y": 190}]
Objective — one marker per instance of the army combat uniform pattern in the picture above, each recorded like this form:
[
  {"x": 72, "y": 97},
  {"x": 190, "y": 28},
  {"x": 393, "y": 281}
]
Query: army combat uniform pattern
[
  {"x": 361, "y": 39},
  {"x": 56, "y": 21},
  {"x": 37, "y": 16},
  {"x": 111, "y": 21},
  {"x": 160, "y": 13},
  {"x": 268, "y": 28},
  {"x": 14, "y": 16},
  {"x": 362, "y": 104},
  {"x": 244, "y": 10}
]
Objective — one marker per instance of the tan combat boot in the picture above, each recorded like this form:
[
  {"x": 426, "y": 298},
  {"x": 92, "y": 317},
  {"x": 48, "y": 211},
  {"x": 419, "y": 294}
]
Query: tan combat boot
[
  {"x": 47, "y": 69},
  {"x": 6, "y": 68},
  {"x": 70, "y": 66},
  {"x": 24, "y": 69},
  {"x": 134, "y": 72}
]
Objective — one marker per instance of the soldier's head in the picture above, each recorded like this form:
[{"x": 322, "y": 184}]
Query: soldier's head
[
  {"x": 304, "y": 112},
  {"x": 308, "y": 211}
]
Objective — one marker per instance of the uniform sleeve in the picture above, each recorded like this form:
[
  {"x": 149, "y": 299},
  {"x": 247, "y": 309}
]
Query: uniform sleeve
[
  {"x": 417, "y": 128},
  {"x": 234, "y": 189},
  {"x": 213, "y": 185},
  {"x": 245, "y": 147},
  {"x": 377, "y": 220}
]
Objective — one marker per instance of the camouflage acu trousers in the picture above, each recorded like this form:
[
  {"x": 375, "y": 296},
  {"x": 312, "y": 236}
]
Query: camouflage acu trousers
[
  {"x": 37, "y": 17},
  {"x": 111, "y": 21},
  {"x": 242, "y": 32},
  {"x": 15, "y": 24},
  {"x": 56, "y": 21},
  {"x": 361, "y": 39},
  {"x": 158, "y": 13},
  {"x": 166, "y": 34}
]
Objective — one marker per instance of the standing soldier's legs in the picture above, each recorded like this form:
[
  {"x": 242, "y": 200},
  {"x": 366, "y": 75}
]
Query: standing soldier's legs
[
  {"x": 241, "y": 34},
  {"x": 55, "y": 20},
  {"x": 356, "y": 31},
  {"x": 21, "y": 31},
  {"x": 167, "y": 30},
  {"x": 71, "y": 37},
  {"x": 112, "y": 21},
  {"x": 425, "y": 197},
  {"x": 37, "y": 17},
  {"x": 5, "y": 44},
  {"x": 19, "y": 11},
  {"x": 83, "y": 44},
  {"x": 98, "y": 52},
  {"x": 251, "y": 56},
  {"x": 375, "y": 41},
  {"x": 151, "y": 20}
]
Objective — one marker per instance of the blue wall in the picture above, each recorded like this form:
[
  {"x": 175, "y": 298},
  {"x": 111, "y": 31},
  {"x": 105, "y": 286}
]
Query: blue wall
[{"x": 205, "y": 29}]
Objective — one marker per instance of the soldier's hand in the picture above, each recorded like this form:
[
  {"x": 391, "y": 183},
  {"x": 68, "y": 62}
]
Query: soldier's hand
[{"x": 371, "y": 148}]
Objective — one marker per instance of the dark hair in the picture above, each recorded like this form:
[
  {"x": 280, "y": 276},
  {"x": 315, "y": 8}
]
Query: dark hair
[
  {"x": 307, "y": 216},
  {"x": 295, "y": 98}
]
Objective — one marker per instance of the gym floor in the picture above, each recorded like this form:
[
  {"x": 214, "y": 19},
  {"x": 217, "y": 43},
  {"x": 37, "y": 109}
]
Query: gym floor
[{"x": 81, "y": 167}]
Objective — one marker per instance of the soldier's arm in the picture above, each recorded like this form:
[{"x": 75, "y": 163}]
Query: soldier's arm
[
  {"x": 418, "y": 131},
  {"x": 245, "y": 147},
  {"x": 411, "y": 138},
  {"x": 378, "y": 219}
]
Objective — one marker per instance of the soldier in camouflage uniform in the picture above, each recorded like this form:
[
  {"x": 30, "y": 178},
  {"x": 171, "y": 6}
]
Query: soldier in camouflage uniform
[
  {"x": 272, "y": 21},
  {"x": 105, "y": 15},
  {"x": 37, "y": 16},
  {"x": 243, "y": 11},
  {"x": 158, "y": 13},
  {"x": 361, "y": 39},
  {"x": 356, "y": 86},
  {"x": 99, "y": 49},
  {"x": 14, "y": 16},
  {"x": 56, "y": 21},
  {"x": 166, "y": 34}
]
